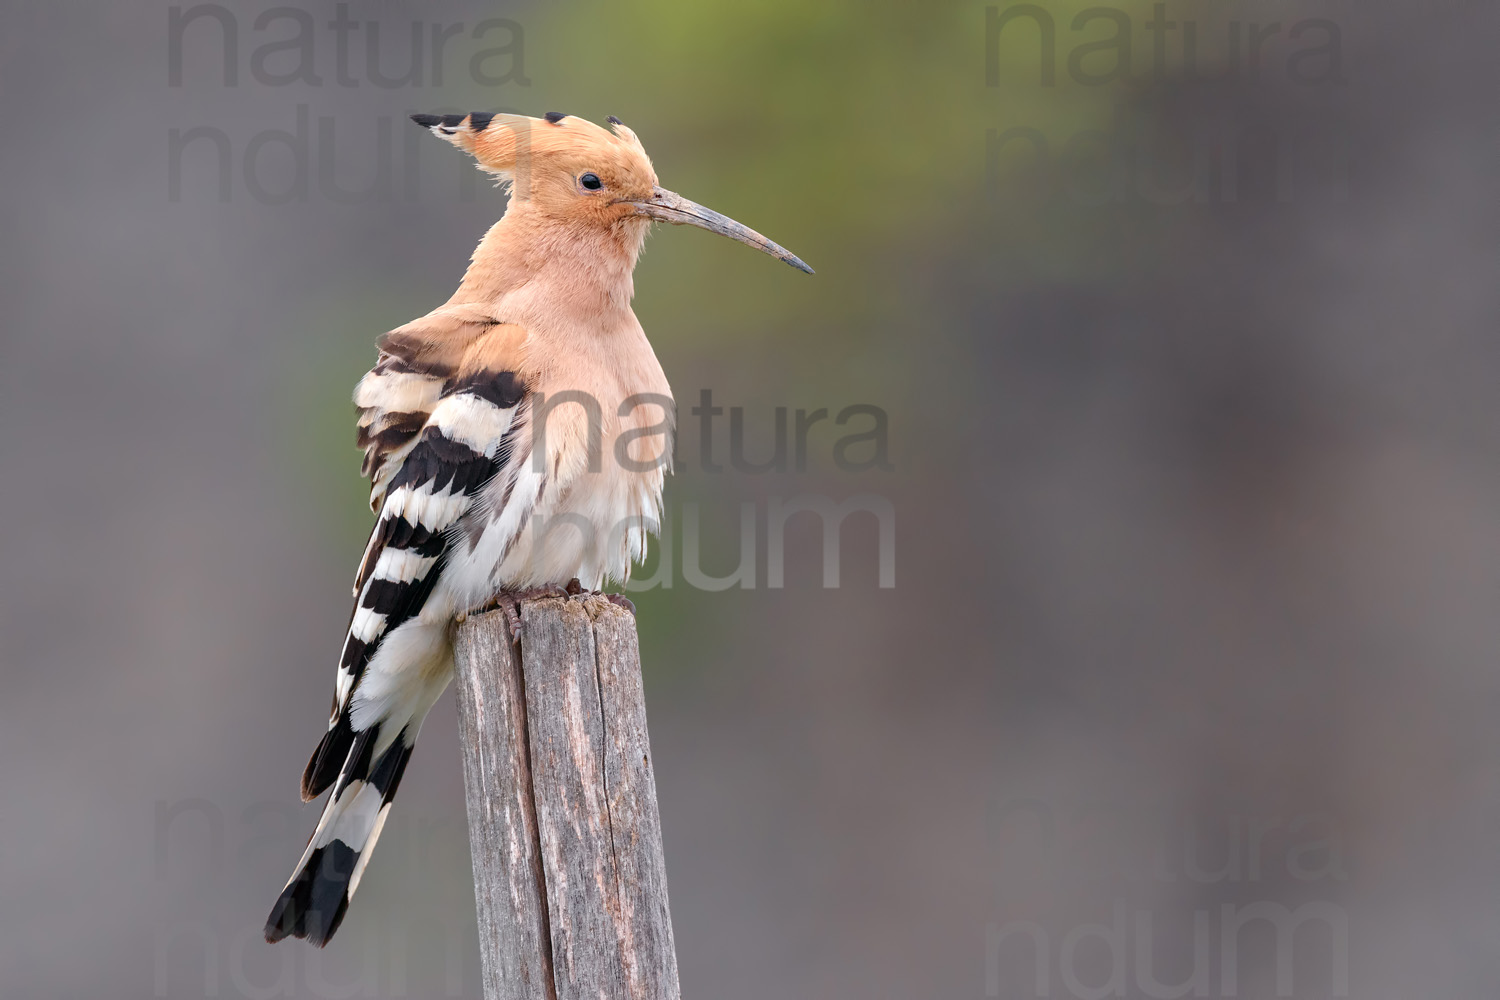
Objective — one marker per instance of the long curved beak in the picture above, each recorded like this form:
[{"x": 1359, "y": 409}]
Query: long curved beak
[{"x": 666, "y": 206}]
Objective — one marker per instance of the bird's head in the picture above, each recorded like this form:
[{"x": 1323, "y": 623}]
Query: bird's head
[{"x": 578, "y": 173}]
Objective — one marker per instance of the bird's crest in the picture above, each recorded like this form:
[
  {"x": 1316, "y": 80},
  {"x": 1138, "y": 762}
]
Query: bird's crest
[{"x": 510, "y": 146}]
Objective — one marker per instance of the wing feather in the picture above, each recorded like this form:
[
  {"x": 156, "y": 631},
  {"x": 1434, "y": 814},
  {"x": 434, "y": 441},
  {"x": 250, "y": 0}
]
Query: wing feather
[{"x": 435, "y": 433}]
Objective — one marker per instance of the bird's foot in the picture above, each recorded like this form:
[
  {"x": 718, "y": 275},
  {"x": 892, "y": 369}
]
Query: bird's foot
[
  {"x": 512, "y": 612},
  {"x": 620, "y": 600},
  {"x": 537, "y": 593},
  {"x": 508, "y": 602}
]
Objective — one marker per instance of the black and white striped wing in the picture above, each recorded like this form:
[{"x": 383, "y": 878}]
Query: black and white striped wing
[{"x": 425, "y": 479}]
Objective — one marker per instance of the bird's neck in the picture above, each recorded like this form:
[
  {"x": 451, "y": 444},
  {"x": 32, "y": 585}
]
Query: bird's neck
[{"x": 583, "y": 270}]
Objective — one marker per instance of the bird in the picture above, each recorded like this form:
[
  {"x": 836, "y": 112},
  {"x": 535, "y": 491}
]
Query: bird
[{"x": 516, "y": 439}]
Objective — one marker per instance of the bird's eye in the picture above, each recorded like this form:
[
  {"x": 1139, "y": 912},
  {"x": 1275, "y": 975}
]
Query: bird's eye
[{"x": 591, "y": 182}]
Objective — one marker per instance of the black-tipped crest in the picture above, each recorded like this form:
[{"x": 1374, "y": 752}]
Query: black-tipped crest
[
  {"x": 478, "y": 121},
  {"x": 614, "y": 121}
]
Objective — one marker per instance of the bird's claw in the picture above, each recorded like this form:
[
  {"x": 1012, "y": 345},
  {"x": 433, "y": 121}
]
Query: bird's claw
[
  {"x": 508, "y": 602},
  {"x": 621, "y": 601}
]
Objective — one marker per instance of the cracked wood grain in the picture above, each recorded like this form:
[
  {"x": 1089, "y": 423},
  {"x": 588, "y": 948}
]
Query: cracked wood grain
[{"x": 570, "y": 881}]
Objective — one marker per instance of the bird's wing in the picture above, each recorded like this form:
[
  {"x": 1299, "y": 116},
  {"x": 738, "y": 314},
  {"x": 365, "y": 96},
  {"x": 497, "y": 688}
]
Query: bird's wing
[
  {"x": 417, "y": 364},
  {"x": 438, "y": 416}
]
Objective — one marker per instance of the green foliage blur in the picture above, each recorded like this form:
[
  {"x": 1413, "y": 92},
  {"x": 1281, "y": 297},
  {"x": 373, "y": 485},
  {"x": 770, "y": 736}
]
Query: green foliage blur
[{"x": 854, "y": 135}]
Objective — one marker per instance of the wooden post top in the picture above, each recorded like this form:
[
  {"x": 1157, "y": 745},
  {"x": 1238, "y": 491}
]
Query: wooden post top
[{"x": 570, "y": 881}]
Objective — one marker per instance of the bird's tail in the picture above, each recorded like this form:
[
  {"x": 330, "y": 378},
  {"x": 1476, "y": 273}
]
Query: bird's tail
[{"x": 313, "y": 903}]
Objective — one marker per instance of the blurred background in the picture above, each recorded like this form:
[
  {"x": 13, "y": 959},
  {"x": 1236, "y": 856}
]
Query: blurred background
[{"x": 1180, "y": 320}]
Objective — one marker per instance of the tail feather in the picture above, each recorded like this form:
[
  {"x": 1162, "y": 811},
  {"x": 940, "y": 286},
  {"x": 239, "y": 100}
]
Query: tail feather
[
  {"x": 328, "y": 759},
  {"x": 314, "y": 902},
  {"x": 362, "y": 757}
]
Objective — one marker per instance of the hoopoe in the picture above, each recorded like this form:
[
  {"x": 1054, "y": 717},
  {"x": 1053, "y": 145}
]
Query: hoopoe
[{"x": 481, "y": 487}]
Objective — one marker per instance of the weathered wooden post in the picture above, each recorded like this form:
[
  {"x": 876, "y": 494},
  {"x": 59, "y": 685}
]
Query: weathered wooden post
[{"x": 569, "y": 877}]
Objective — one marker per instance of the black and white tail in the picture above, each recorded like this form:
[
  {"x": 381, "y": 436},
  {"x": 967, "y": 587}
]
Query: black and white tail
[{"x": 313, "y": 903}]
